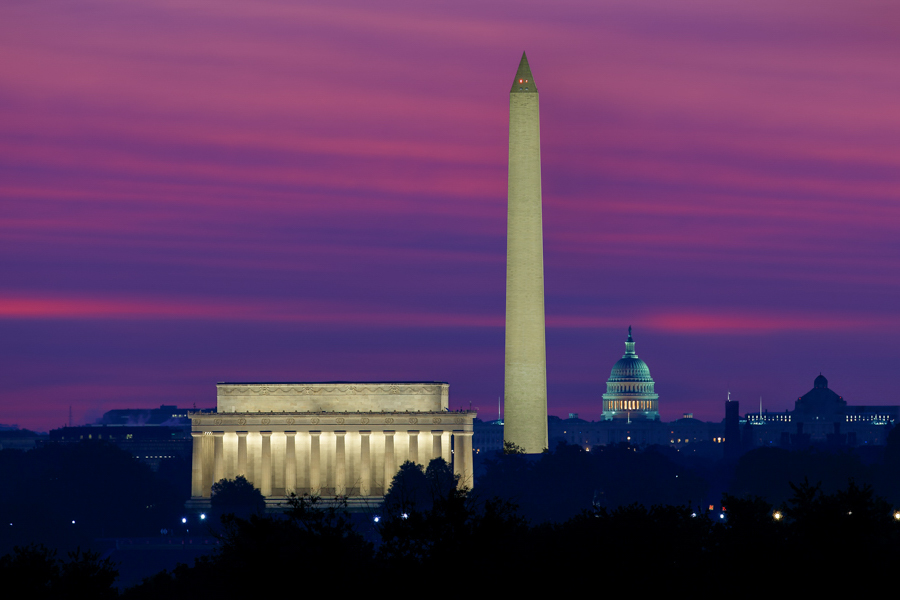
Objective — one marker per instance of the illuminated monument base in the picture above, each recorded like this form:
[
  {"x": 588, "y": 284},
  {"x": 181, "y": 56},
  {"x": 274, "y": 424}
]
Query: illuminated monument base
[{"x": 326, "y": 439}]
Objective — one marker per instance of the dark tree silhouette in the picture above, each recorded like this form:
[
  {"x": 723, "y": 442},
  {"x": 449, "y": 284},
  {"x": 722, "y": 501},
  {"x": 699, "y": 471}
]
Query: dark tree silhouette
[
  {"x": 421, "y": 544},
  {"x": 556, "y": 486},
  {"x": 512, "y": 448},
  {"x": 416, "y": 489},
  {"x": 102, "y": 488},
  {"x": 408, "y": 490},
  {"x": 441, "y": 479},
  {"x": 770, "y": 472},
  {"x": 314, "y": 540},
  {"x": 35, "y": 572},
  {"x": 818, "y": 535},
  {"x": 236, "y": 496}
]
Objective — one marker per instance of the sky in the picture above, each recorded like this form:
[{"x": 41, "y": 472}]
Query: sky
[{"x": 197, "y": 191}]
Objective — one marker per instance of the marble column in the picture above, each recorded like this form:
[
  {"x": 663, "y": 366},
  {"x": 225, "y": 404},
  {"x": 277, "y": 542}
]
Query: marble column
[
  {"x": 462, "y": 458},
  {"x": 414, "y": 446},
  {"x": 365, "y": 464},
  {"x": 230, "y": 442},
  {"x": 197, "y": 464},
  {"x": 290, "y": 463},
  {"x": 445, "y": 447},
  {"x": 436, "y": 444},
  {"x": 265, "y": 484},
  {"x": 242, "y": 454},
  {"x": 218, "y": 456},
  {"x": 208, "y": 463},
  {"x": 390, "y": 466},
  {"x": 340, "y": 464},
  {"x": 303, "y": 448},
  {"x": 315, "y": 463},
  {"x": 470, "y": 460}
]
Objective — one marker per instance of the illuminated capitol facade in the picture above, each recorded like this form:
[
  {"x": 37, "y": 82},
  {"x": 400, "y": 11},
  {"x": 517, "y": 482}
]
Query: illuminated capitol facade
[{"x": 629, "y": 389}]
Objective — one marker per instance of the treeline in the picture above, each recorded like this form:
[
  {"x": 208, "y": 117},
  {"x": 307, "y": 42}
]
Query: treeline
[
  {"x": 462, "y": 540},
  {"x": 614, "y": 512},
  {"x": 556, "y": 486},
  {"x": 65, "y": 496}
]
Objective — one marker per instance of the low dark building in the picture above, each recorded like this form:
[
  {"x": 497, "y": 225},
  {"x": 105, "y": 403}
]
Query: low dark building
[
  {"x": 13, "y": 438},
  {"x": 678, "y": 434},
  {"x": 150, "y": 444},
  {"x": 487, "y": 436},
  {"x": 164, "y": 415}
]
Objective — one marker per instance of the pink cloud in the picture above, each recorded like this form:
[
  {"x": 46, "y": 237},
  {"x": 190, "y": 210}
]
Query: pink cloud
[
  {"x": 719, "y": 322},
  {"x": 312, "y": 312},
  {"x": 333, "y": 313}
]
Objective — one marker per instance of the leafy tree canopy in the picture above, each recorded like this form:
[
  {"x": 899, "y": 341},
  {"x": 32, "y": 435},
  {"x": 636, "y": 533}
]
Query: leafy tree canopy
[
  {"x": 236, "y": 496},
  {"x": 35, "y": 572}
]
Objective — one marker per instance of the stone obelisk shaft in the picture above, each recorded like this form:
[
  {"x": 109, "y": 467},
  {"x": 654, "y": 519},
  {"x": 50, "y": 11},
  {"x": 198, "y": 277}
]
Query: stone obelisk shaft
[{"x": 525, "y": 419}]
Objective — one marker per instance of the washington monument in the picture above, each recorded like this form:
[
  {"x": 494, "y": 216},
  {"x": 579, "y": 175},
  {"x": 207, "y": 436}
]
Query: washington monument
[{"x": 525, "y": 381}]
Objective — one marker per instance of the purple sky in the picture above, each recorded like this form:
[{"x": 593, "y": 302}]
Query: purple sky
[{"x": 195, "y": 191}]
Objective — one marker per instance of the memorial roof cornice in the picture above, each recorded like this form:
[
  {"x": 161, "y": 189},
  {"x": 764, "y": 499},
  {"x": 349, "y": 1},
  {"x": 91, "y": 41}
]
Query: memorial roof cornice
[
  {"x": 332, "y": 383},
  {"x": 331, "y": 413}
]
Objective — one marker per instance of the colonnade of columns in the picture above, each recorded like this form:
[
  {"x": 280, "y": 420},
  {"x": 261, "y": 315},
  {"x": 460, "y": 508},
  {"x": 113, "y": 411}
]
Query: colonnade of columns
[{"x": 321, "y": 462}]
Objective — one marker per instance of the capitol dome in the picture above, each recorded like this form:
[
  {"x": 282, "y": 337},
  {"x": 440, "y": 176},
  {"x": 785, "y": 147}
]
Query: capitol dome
[
  {"x": 630, "y": 368},
  {"x": 629, "y": 389}
]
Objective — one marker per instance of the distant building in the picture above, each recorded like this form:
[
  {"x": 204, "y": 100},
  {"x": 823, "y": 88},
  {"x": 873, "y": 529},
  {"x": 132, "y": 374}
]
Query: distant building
[
  {"x": 13, "y": 438},
  {"x": 164, "y": 415},
  {"x": 150, "y": 444},
  {"x": 487, "y": 436},
  {"x": 732, "y": 429},
  {"x": 153, "y": 436},
  {"x": 629, "y": 390},
  {"x": 821, "y": 416},
  {"x": 677, "y": 434}
]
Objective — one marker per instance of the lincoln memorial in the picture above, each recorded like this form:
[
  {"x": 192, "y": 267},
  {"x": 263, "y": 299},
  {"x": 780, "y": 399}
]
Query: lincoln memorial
[{"x": 326, "y": 439}]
